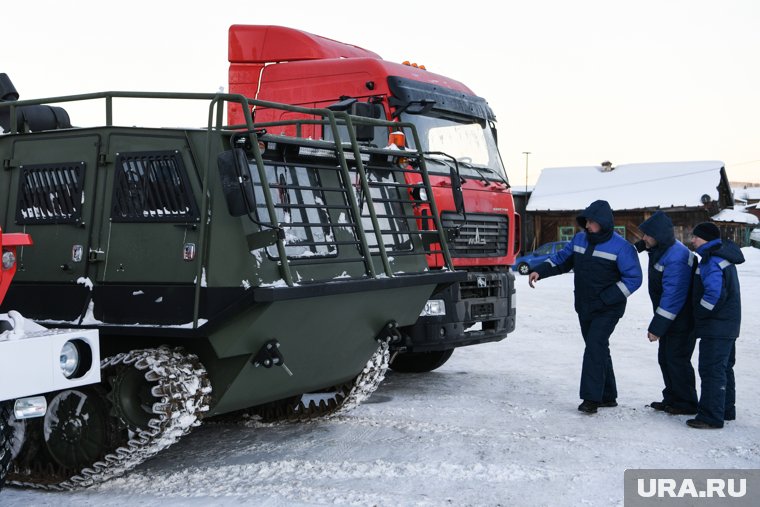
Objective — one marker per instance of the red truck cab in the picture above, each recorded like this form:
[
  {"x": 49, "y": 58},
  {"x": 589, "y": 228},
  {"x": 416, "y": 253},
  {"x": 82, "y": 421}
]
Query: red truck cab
[{"x": 457, "y": 131}]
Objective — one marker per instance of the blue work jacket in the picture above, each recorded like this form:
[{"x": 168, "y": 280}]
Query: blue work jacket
[{"x": 716, "y": 295}]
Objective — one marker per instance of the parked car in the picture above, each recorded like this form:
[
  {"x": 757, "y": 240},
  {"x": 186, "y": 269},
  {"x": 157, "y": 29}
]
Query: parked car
[{"x": 530, "y": 260}]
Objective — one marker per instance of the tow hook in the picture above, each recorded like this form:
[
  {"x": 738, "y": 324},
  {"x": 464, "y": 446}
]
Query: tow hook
[
  {"x": 389, "y": 333},
  {"x": 269, "y": 355}
]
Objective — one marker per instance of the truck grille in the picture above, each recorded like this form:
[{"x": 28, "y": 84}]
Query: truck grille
[
  {"x": 480, "y": 234},
  {"x": 480, "y": 287}
]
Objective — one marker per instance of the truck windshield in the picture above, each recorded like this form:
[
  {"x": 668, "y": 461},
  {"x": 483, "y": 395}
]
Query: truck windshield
[{"x": 471, "y": 143}]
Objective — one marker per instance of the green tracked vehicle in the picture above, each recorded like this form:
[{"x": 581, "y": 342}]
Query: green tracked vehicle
[{"x": 225, "y": 267}]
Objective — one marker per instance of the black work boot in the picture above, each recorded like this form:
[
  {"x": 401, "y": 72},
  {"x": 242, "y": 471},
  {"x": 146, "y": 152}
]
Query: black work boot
[
  {"x": 660, "y": 405},
  {"x": 701, "y": 425},
  {"x": 680, "y": 411},
  {"x": 588, "y": 407},
  {"x": 610, "y": 403}
]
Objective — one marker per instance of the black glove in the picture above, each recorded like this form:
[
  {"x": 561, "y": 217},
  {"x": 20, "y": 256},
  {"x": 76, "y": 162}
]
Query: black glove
[{"x": 640, "y": 245}]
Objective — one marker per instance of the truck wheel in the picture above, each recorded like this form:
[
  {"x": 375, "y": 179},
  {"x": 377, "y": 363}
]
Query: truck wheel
[
  {"x": 6, "y": 439},
  {"x": 523, "y": 268},
  {"x": 420, "y": 362}
]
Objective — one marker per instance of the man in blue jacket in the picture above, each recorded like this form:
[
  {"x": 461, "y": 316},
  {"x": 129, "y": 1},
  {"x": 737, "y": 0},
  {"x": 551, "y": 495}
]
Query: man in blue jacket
[
  {"x": 607, "y": 271},
  {"x": 717, "y": 318},
  {"x": 671, "y": 267}
]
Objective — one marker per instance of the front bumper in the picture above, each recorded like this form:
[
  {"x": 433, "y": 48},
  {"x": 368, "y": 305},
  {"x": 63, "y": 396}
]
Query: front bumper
[
  {"x": 479, "y": 310},
  {"x": 30, "y": 360}
]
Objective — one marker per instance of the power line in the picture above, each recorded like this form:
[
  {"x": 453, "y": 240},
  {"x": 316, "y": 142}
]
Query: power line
[{"x": 744, "y": 163}]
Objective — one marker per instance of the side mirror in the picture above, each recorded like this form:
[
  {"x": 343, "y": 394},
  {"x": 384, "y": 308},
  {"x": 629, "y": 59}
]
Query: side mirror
[
  {"x": 364, "y": 132},
  {"x": 237, "y": 184},
  {"x": 456, "y": 190}
]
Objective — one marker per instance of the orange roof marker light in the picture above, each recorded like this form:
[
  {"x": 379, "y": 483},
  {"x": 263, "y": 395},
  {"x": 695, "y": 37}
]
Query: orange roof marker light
[{"x": 406, "y": 62}]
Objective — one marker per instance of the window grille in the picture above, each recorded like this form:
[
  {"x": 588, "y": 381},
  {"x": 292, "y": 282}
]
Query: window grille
[
  {"x": 152, "y": 187},
  {"x": 50, "y": 193}
]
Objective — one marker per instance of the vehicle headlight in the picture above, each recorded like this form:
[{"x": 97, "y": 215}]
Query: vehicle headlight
[
  {"x": 32, "y": 406},
  {"x": 9, "y": 259},
  {"x": 434, "y": 307},
  {"x": 69, "y": 359}
]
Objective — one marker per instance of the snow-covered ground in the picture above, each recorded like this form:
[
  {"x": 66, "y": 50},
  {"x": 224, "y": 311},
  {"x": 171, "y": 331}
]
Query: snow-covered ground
[{"x": 497, "y": 425}]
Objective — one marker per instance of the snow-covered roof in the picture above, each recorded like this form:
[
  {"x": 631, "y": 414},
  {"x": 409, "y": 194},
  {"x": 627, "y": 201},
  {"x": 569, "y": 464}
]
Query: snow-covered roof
[
  {"x": 735, "y": 215},
  {"x": 518, "y": 189},
  {"x": 628, "y": 186},
  {"x": 746, "y": 193}
]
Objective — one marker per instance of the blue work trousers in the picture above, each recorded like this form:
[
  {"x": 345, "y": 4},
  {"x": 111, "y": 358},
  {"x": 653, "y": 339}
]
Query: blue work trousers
[
  {"x": 674, "y": 356},
  {"x": 597, "y": 375},
  {"x": 717, "y": 401}
]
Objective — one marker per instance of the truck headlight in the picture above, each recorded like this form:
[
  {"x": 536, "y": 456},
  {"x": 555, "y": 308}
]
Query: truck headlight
[
  {"x": 434, "y": 307},
  {"x": 69, "y": 359}
]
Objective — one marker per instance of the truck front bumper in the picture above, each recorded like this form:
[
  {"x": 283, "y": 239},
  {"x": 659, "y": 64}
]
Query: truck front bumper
[{"x": 479, "y": 310}]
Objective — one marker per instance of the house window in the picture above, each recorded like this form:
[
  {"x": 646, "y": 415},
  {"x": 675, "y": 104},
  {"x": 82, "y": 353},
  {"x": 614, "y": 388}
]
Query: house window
[
  {"x": 620, "y": 229},
  {"x": 566, "y": 233}
]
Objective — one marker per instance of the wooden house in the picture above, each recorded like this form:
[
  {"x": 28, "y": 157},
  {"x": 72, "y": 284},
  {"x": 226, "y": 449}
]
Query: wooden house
[{"x": 689, "y": 192}]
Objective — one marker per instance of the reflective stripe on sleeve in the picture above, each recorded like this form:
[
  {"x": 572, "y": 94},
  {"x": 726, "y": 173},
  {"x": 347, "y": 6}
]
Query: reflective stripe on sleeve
[
  {"x": 665, "y": 313},
  {"x": 623, "y": 289},
  {"x": 579, "y": 249},
  {"x": 659, "y": 267},
  {"x": 706, "y": 304},
  {"x": 724, "y": 264}
]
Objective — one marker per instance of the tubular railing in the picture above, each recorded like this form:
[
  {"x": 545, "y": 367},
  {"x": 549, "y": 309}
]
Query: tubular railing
[
  {"x": 435, "y": 234},
  {"x": 349, "y": 155}
]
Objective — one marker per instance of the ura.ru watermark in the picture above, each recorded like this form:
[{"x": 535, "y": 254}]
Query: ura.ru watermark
[{"x": 713, "y": 487}]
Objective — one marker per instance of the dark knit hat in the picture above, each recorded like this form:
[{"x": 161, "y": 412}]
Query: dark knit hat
[{"x": 708, "y": 231}]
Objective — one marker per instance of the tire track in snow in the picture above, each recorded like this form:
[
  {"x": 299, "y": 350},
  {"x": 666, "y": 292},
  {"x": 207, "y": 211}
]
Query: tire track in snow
[{"x": 317, "y": 481}]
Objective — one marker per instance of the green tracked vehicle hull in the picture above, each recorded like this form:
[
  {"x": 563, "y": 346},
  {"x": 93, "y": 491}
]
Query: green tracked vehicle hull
[
  {"x": 271, "y": 265},
  {"x": 136, "y": 287}
]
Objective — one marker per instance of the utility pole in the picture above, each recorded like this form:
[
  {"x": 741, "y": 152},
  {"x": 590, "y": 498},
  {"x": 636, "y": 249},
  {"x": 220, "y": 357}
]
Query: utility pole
[{"x": 523, "y": 228}]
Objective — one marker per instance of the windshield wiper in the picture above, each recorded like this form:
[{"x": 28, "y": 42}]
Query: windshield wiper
[
  {"x": 470, "y": 165},
  {"x": 488, "y": 170}
]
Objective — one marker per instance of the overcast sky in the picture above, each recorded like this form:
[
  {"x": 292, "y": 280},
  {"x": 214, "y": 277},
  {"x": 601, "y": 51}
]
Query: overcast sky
[{"x": 574, "y": 82}]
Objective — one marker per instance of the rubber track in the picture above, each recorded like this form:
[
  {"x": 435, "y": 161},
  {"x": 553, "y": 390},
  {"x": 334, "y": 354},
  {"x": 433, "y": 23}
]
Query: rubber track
[
  {"x": 352, "y": 395},
  {"x": 182, "y": 390},
  {"x": 6, "y": 439}
]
